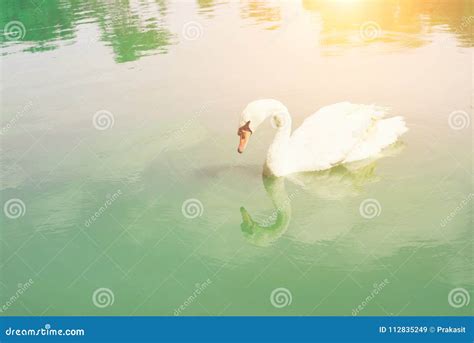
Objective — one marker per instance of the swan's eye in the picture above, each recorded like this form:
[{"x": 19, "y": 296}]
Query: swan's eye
[{"x": 244, "y": 128}]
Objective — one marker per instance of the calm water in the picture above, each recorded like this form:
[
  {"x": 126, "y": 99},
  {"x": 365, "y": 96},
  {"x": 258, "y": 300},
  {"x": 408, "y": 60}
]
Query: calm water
[{"x": 116, "y": 113}]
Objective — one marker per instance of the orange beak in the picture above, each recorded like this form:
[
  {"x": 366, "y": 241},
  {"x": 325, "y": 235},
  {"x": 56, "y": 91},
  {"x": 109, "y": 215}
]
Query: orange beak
[{"x": 244, "y": 139}]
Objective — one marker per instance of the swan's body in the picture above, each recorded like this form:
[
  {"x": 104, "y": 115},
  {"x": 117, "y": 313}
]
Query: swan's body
[{"x": 335, "y": 134}]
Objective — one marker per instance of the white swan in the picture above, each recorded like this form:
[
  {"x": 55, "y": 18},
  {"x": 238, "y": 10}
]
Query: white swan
[{"x": 336, "y": 134}]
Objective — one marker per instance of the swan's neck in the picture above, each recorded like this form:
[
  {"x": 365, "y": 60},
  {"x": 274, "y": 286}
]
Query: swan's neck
[{"x": 277, "y": 157}]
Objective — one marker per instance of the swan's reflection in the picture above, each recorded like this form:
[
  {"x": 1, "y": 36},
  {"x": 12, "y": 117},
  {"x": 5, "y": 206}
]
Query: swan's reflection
[
  {"x": 263, "y": 234},
  {"x": 337, "y": 183}
]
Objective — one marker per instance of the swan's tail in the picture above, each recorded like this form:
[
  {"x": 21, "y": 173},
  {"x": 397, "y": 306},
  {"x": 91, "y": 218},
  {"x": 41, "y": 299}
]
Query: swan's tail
[
  {"x": 395, "y": 125},
  {"x": 384, "y": 133}
]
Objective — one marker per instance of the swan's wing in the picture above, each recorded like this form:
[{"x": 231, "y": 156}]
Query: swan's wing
[
  {"x": 384, "y": 133},
  {"x": 329, "y": 135}
]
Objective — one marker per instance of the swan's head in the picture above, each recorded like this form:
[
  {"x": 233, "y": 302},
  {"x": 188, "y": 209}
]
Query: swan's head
[
  {"x": 255, "y": 114},
  {"x": 244, "y": 133}
]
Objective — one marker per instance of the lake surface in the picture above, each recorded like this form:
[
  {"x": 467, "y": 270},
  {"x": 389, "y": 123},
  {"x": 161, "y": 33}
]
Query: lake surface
[{"x": 123, "y": 194}]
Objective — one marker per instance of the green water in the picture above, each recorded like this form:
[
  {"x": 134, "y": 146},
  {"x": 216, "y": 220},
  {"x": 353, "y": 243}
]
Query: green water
[{"x": 104, "y": 208}]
